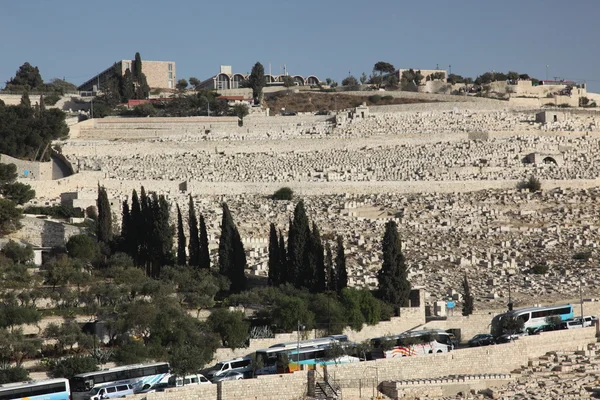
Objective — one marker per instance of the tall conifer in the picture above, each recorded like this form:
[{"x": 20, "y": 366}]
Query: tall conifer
[
  {"x": 298, "y": 238},
  {"x": 283, "y": 263},
  {"x": 181, "y": 242},
  {"x": 204, "y": 250},
  {"x": 467, "y": 308},
  {"x": 135, "y": 228},
  {"x": 330, "y": 269},
  {"x": 125, "y": 228},
  {"x": 274, "y": 257},
  {"x": 394, "y": 287},
  {"x": 104, "y": 226},
  {"x": 341, "y": 273},
  {"x": 194, "y": 239},
  {"x": 319, "y": 257},
  {"x": 232, "y": 257}
]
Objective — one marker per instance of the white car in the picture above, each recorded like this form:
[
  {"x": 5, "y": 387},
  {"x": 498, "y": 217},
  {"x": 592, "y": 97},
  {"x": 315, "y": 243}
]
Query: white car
[{"x": 228, "y": 376}]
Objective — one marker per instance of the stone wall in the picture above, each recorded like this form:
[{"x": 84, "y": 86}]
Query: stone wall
[
  {"x": 483, "y": 360},
  {"x": 29, "y": 169},
  {"x": 44, "y": 233},
  {"x": 478, "y": 360}
]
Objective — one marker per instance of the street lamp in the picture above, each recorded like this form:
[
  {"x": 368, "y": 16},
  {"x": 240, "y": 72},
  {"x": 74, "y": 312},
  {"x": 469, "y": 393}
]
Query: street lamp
[{"x": 547, "y": 66}]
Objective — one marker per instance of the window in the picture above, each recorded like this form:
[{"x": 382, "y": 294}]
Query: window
[
  {"x": 170, "y": 67},
  {"x": 170, "y": 85},
  {"x": 111, "y": 389},
  {"x": 122, "y": 388},
  {"x": 170, "y": 75},
  {"x": 126, "y": 65}
]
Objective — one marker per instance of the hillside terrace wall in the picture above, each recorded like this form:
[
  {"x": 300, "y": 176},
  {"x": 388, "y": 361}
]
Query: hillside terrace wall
[
  {"x": 481, "y": 360},
  {"x": 89, "y": 180},
  {"x": 30, "y": 170}
]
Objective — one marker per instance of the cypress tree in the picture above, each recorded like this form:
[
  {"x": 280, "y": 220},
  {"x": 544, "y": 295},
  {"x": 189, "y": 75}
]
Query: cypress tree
[
  {"x": 146, "y": 229},
  {"x": 25, "y": 101},
  {"x": 104, "y": 226},
  {"x": 181, "y": 255},
  {"x": 125, "y": 228},
  {"x": 137, "y": 66},
  {"x": 127, "y": 86},
  {"x": 194, "y": 245},
  {"x": 394, "y": 287},
  {"x": 298, "y": 238},
  {"x": 42, "y": 104},
  {"x": 133, "y": 234},
  {"x": 318, "y": 257},
  {"x": 330, "y": 270},
  {"x": 468, "y": 300},
  {"x": 274, "y": 257},
  {"x": 204, "y": 250},
  {"x": 283, "y": 264},
  {"x": 161, "y": 238},
  {"x": 341, "y": 273},
  {"x": 232, "y": 257},
  {"x": 257, "y": 81}
]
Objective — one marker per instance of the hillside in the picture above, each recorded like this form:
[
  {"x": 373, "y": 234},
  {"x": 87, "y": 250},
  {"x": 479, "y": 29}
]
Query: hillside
[{"x": 313, "y": 102}]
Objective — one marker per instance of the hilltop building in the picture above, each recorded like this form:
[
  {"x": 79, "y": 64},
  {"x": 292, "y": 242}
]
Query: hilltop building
[
  {"x": 159, "y": 74},
  {"x": 226, "y": 79}
]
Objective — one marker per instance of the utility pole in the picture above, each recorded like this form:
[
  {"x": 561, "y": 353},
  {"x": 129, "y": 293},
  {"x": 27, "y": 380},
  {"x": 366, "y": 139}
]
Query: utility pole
[
  {"x": 581, "y": 298},
  {"x": 510, "y": 305},
  {"x": 547, "y": 66}
]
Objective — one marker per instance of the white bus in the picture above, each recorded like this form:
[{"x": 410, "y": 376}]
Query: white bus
[
  {"x": 53, "y": 389},
  {"x": 267, "y": 358},
  {"x": 411, "y": 343},
  {"x": 533, "y": 318},
  {"x": 138, "y": 375}
]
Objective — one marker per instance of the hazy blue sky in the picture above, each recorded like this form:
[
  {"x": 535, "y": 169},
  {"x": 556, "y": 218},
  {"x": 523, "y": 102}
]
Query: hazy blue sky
[{"x": 327, "y": 38}]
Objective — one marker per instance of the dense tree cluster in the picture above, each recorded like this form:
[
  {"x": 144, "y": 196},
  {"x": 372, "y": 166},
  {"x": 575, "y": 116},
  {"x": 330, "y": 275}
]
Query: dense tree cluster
[
  {"x": 303, "y": 263},
  {"x": 28, "y": 79},
  {"x": 27, "y": 133},
  {"x": 257, "y": 81}
]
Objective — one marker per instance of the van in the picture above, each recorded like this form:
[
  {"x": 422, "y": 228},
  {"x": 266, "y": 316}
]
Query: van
[
  {"x": 242, "y": 365},
  {"x": 171, "y": 381},
  {"x": 112, "y": 391},
  {"x": 571, "y": 324}
]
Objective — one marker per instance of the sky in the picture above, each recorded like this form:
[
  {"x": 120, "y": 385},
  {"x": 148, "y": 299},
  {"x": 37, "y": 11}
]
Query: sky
[{"x": 75, "y": 40}]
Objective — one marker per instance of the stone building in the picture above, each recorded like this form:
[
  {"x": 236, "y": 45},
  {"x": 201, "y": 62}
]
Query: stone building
[
  {"x": 226, "y": 79},
  {"x": 159, "y": 74}
]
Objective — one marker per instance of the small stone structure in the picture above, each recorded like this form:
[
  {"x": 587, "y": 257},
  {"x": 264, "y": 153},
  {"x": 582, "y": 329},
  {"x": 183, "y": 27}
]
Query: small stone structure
[{"x": 545, "y": 117}]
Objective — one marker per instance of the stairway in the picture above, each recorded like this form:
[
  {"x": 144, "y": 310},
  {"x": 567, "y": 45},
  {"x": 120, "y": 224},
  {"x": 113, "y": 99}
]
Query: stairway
[{"x": 327, "y": 390}]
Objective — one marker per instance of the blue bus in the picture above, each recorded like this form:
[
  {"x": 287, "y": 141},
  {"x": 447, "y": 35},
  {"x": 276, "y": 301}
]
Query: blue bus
[
  {"x": 533, "y": 317},
  {"x": 53, "y": 389}
]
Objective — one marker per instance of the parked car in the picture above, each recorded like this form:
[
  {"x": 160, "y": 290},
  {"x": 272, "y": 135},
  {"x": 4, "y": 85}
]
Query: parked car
[
  {"x": 241, "y": 364},
  {"x": 482, "y": 339},
  {"x": 228, "y": 376},
  {"x": 509, "y": 337}
]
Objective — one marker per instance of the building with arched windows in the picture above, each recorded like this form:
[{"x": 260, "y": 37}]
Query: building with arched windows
[{"x": 226, "y": 79}]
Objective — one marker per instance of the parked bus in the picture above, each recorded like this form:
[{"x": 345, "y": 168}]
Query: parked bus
[
  {"x": 267, "y": 358},
  {"x": 136, "y": 375},
  {"x": 411, "y": 343},
  {"x": 308, "y": 358},
  {"x": 54, "y": 389},
  {"x": 533, "y": 318}
]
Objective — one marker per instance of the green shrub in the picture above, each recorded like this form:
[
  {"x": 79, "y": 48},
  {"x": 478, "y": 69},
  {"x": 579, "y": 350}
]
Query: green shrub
[
  {"x": 533, "y": 184},
  {"x": 69, "y": 367},
  {"x": 13, "y": 374},
  {"x": 374, "y": 98},
  {"x": 51, "y": 99},
  {"x": 582, "y": 255},
  {"x": 285, "y": 193},
  {"x": 540, "y": 269},
  {"x": 387, "y": 98}
]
